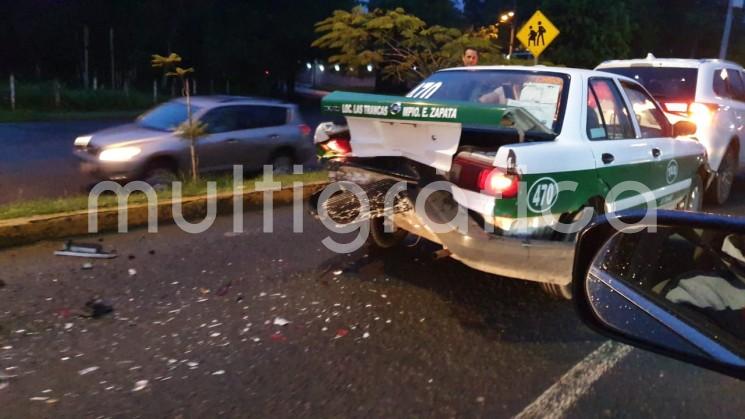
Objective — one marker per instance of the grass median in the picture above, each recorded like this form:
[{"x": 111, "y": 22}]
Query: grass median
[{"x": 224, "y": 183}]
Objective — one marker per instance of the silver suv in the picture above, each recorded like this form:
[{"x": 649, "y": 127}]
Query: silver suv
[
  {"x": 240, "y": 130},
  {"x": 710, "y": 93}
]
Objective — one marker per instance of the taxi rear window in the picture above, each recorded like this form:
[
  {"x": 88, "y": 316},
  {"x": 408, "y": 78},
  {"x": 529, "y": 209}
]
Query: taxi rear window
[
  {"x": 543, "y": 94},
  {"x": 664, "y": 83}
]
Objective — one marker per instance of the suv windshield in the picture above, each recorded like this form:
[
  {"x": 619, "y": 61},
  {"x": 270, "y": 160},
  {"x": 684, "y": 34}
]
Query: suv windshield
[
  {"x": 166, "y": 117},
  {"x": 666, "y": 84},
  {"x": 542, "y": 94}
]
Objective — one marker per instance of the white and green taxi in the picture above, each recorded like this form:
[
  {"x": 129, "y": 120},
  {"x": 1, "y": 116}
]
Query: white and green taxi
[{"x": 523, "y": 151}]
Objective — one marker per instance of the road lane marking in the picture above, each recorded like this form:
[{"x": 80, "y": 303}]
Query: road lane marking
[{"x": 560, "y": 397}]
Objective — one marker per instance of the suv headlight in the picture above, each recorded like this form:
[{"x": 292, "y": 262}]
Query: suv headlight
[{"x": 119, "y": 154}]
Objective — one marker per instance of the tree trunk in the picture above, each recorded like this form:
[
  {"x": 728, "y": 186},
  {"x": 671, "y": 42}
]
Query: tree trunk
[{"x": 192, "y": 139}]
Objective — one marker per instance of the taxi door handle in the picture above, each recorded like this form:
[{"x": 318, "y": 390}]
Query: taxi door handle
[
  {"x": 607, "y": 158},
  {"x": 656, "y": 152}
]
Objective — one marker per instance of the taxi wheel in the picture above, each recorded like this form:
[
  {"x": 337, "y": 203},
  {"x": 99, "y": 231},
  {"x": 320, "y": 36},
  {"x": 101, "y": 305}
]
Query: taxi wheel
[
  {"x": 560, "y": 292},
  {"x": 694, "y": 201},
  {"x": 585, "y": 214},
  {"x": 722, "y": 186},
  {"x": 380, "y": 238}
]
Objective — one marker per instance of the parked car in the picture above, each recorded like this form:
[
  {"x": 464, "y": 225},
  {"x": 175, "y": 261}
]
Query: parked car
[
  {"x": 710, "y": 92},
  {"x": 525, "y": 149},
  {"x": 678, "y": 290},
  {"x": 240, "y": 130}
]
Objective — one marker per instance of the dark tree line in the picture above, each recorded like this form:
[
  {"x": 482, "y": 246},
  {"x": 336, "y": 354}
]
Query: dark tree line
[{"x": 258, "y": 43}]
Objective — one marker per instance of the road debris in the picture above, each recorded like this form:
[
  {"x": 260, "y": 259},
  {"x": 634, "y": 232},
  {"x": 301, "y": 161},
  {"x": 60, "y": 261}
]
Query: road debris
[
  {"x": 2, "y": 283},
  {"x": 140, "y": 385},
  {"x": 278, "y": 337},
  {"x": 341, "y": 333},
  {"x": 87, "y": 266},
  {"x": 97, "y": 308},
  {"x": 132, "y": 272},
  {"x": 339, "y": 272},
  {"x": 224, "y": 288},
  {"x": 219, "y": 372},
  {"x": 88, "y": 370},
  {"x": 279, "y": 321},
  {"x": 84, "y": 250},
  {"x": 365, "y": 335}
]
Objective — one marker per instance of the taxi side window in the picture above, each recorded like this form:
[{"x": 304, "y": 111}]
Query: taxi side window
[
  {"x": 607, "y": 116},
  {"x": 652, "y": 122}
]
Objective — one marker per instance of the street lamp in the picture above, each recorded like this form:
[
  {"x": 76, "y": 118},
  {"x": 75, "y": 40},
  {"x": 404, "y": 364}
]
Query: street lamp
[{"x": 509, "y": 16}]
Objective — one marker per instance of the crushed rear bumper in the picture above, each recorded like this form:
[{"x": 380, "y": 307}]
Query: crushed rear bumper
[{"x": 440, "y": 221}]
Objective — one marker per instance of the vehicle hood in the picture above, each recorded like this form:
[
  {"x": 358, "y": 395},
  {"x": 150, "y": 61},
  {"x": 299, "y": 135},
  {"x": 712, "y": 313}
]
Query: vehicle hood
[
  {"x": 127, "y": 134},
  {"x": 427, "y": 131}
]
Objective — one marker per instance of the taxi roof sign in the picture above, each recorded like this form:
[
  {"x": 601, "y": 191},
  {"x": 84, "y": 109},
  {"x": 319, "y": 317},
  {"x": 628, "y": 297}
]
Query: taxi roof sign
[{"x": 537, "y": 33}]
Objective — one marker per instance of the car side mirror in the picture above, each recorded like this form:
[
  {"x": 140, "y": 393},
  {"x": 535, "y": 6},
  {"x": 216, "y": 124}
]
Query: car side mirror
[
  {"x": 684, "y": 128},
  {"x": 672, "y": 282}
]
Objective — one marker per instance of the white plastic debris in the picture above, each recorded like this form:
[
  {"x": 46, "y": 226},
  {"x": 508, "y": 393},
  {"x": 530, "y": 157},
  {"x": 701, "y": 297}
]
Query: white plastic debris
[
  {"x": 214, "y": 335},
  {"x": 140, "y": 385},
  {"x": 87, "y": 370},
  {"x": 366, "y": 335},
  {"x": 337, "y": 273},
  {"x": 39, "y": 399},
  {"x": 87, "y": 265},
  {"x": 192, "y": 364},
  {"x": 279, "y": 321},
  {"x": 68, "y": 326},
  {"x": 220, "y": 372},
  {"x": 132, "y": 272}
]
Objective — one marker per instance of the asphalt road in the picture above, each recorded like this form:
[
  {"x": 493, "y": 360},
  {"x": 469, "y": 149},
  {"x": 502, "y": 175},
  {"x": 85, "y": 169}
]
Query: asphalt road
[
  {"x": 370, "y": 334},
  {"x": 36, "y": 159}
]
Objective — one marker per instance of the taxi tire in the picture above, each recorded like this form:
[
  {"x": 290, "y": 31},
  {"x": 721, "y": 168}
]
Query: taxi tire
[
  {"x": 694, "y": 200},
  {"x": 564, "y": 292},
  {"x": 721, "y": 188},
  {"x": 380, "y": 238}
]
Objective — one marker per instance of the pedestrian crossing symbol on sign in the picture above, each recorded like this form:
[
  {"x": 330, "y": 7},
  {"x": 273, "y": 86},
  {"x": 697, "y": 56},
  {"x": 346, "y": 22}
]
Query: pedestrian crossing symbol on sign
[{"x": 537, "y": 33}]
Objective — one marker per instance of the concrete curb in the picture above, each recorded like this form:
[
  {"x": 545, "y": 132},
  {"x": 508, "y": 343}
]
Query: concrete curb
[{"x": 20, "y": 231}]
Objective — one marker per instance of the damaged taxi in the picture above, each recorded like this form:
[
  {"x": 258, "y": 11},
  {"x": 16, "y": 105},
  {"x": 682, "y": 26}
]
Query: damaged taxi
[{"x": 503, "y": 165}]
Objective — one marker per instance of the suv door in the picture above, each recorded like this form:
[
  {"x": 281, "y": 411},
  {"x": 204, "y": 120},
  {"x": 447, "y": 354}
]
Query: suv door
[
  {"x": 265, "y": 132},
  {"x": 219, "y": 149},
  {"x": 619, "y": 155},
  {"x": 670, "y": 163}
]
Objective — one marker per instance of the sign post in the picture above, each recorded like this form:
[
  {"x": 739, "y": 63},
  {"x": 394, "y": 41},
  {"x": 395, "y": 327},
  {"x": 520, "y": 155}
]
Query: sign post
[{"x": 537, "y": 33}]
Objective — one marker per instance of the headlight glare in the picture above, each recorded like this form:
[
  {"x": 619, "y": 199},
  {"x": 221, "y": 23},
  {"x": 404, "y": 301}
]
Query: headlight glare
[{"x": 119, "y": 154}]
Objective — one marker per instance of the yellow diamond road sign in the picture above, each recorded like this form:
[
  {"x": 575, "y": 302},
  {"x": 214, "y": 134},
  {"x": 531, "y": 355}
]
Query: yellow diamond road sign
[{"x": 537, "y": 33}]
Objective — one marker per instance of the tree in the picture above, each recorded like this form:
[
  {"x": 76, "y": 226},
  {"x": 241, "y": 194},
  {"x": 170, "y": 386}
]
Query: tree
[
  {"x": 591, "y": 31},
  {"x": 190, "y": 129},
  {"x": 401, "y": 45},
  {"x": 433, "y": 12}
]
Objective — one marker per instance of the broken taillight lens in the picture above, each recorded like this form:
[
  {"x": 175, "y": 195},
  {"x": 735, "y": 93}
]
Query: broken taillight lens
[
  {"x": 339, "y": 146},
  {"x": 481, "y": 176}
]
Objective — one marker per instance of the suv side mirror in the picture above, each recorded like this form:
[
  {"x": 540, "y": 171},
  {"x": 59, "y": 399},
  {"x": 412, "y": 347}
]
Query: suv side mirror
[
  {"x": 674, "y": 285},
  {"x": 684, "y": 128}
]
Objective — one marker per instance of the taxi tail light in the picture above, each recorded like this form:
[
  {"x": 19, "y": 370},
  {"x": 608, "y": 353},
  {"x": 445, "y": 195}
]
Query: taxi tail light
[
  {"x": 340, "y": 146},
  {"x": 483, "y": 177}
]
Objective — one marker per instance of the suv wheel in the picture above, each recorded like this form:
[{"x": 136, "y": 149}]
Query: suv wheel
[
  {"x": 160, "y": 178},
  {"x": 725, "y": 177},
  {"x": 282, "y": 164}
]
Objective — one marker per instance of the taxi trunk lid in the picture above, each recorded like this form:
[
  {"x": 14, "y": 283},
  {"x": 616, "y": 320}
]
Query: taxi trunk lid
[{"x": 426, "y": 131}]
